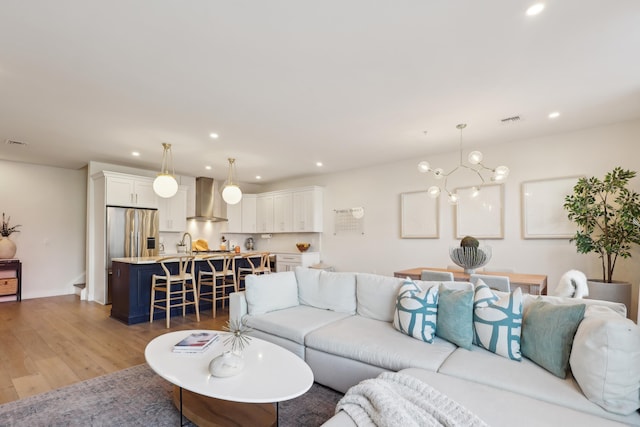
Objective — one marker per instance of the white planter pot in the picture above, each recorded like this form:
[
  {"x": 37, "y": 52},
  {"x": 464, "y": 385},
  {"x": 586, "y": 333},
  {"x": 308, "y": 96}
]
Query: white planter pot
[{"x": 615, "y": 292}]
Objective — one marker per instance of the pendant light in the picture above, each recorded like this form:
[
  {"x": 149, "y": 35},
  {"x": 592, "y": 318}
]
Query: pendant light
[
  {"x": 165, "y": 184},
  {"x": 231, "y": 193},
  {"x": 475, "y": 159}
]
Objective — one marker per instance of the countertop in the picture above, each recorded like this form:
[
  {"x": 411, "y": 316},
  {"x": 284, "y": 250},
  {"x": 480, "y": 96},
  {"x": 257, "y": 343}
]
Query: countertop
[
  {"x": 154, "y": 259},
  {"x": 199, "y": 257}
]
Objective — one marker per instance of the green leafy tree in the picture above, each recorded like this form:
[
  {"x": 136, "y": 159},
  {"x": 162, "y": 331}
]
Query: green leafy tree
[{"x": 606, "y": 213}]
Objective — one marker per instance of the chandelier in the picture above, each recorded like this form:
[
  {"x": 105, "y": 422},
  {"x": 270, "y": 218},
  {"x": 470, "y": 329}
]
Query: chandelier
[{"x": 475, "y": 159}]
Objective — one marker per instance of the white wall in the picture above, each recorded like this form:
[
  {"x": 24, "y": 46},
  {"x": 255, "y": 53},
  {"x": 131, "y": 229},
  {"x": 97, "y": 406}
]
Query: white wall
[
  {"x": 591, "y": 152},
  {"x": 50, "y": 204}
]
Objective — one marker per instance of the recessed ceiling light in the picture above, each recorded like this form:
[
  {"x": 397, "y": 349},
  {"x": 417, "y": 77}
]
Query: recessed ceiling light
[
  {"x": 208, "y": 168},
  {"x": 319, "y": 164},
  {"x": 554, "y": 115},
  {"x": 135, "y": 153},
  {"x": 258, "y": 177},
  {"x": 214, "y": 135},
  {"x": 535, "y": 9}
]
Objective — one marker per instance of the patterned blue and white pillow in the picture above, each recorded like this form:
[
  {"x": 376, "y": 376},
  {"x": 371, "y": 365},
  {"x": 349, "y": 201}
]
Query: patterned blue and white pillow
[
  {"x": 416, "y": 311},
  {"x": 497, "y": 322}
]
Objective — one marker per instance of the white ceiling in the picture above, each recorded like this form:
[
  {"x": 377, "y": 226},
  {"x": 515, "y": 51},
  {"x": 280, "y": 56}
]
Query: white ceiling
[{"x": 287, "y": 83}]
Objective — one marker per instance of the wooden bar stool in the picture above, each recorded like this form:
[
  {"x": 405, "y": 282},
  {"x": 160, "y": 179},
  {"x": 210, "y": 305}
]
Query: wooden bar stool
[
  {"x": 220, "y": 280},
  {"x": 175, "y": 287},
  {"x": 258, "y": 264}
]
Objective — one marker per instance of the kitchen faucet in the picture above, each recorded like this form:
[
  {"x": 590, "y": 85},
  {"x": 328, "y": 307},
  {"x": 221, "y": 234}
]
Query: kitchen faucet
[{"x": 190, "y": 250}]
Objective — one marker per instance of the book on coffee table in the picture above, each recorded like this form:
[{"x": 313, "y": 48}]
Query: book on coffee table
[{"x": 196, "y": 342}]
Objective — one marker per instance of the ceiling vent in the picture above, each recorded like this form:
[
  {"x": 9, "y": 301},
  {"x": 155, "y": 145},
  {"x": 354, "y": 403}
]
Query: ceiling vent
[
  {"x": 510, "y": 120},
  {"x": 12, "y": 142}
]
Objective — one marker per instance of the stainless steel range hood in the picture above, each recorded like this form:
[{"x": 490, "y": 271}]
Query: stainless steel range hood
[{"x": 205, "y": 200}]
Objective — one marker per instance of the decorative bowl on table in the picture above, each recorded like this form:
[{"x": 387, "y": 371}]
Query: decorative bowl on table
[
  {"x": 302, "y": 247},
  {"x": 470, "y": 258}
]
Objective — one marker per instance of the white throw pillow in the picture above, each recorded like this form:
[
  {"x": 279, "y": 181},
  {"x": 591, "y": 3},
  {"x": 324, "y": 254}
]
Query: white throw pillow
[
  {"x": 308, "y": 284},
  {"x": 376, "y": 295},
  {"x": 497, "y": 321},
  {"x": 338, "y": 291},
  {"x": 269, "y": 292},
  {"x": 416, "y": 311},
  {"x": 327, "y": 290},
  {"x": 605, "y": 360}
]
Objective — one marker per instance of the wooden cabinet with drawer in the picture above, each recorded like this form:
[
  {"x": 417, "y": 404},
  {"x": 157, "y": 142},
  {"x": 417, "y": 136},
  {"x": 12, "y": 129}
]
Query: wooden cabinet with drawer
[
  {"x": 8, "y": 286},
  {"x": 11, "y": 278}
]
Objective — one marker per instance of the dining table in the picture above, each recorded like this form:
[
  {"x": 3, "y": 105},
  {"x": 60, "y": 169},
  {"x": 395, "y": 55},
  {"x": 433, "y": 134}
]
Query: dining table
[{"x": 535, "y": 284}]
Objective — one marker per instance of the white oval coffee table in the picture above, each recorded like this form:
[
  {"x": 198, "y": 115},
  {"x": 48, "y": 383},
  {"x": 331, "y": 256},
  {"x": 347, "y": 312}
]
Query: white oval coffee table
[{"x": 271, "y": 374}]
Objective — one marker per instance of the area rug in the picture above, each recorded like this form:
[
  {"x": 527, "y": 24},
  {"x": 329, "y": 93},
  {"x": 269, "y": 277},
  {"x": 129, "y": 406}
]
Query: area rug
[{"x": 137, "y": 396}]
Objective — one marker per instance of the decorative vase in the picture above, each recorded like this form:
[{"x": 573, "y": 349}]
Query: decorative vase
[
  {"x": 227, "y": 364},
  {"x": 7, "y": 248},
  {"x": 470, "y": 258}
]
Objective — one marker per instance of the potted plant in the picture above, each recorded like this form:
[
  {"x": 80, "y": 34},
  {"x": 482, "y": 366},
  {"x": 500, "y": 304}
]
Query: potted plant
[
  {"x": 606, "y": 212},
  {"x": 7, "y": 247}
]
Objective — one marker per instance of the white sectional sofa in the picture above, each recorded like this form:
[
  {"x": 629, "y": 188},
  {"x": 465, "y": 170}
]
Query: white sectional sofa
[{"x": 341, "y": 324}]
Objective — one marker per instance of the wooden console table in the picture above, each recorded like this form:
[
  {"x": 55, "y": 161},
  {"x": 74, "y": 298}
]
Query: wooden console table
[
  {"x": 11, "y": 283},
  {"x": 535, "y": 284}
]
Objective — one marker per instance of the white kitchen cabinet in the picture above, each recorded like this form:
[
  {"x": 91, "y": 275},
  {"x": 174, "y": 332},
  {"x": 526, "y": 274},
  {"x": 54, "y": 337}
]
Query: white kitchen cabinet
[
  {"x": 264, "y": 213},
  {"x": 234, "y": 216},
  {"x": 298, "y": 210},
  {"x": 288, "y": 262},
  {"x": 307, "y": 210},
  {"x": 249, "y": 224},
  {"x": 130, "y": 190},
  {"x": 242, "y": 216},
  {"x": 283, "y": 212},
  {"x": 172, "y": 211}
]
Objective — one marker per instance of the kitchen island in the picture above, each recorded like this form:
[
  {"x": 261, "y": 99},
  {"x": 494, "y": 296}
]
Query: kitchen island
[{"x": 131, "y": 285}]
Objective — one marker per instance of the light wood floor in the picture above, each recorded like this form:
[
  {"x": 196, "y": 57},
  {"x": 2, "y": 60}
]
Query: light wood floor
[{"x": 47, "y": 343}]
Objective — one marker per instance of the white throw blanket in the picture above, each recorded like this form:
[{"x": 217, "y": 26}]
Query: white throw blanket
[{"x": 395, "y": 399}]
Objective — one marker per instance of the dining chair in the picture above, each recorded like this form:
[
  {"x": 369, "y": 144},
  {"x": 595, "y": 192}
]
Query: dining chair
[
  {"x": 258, "y": 264},
  {"x": 499, "y": 283},
  {"x": 175, "y": 287},
  {"x": 217, "y": 281},
  {"x": 436, "y": 276}
]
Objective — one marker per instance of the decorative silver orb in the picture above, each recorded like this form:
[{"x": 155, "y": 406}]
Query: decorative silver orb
[{"x": 470, "y": 258}]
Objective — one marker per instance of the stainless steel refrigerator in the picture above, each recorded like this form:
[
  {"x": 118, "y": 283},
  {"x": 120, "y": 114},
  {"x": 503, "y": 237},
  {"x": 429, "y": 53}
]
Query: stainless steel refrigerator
[{"x": 131, "y": 232}]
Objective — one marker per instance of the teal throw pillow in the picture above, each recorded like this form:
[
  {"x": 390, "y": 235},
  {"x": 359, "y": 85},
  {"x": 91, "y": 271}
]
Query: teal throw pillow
[
  {"x": 497, "y": 321},
  {"x": 547, "y": 334},
  {"x": 455, "y": 316},
  {"x": 416, "y": 311}
]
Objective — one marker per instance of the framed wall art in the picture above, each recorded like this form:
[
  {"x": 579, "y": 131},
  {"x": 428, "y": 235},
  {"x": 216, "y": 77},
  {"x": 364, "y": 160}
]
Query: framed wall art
[
  {"x": 480, "y": 216},
  {"x": 543, "y": 216},
  {"x": 419, "y": 216}
]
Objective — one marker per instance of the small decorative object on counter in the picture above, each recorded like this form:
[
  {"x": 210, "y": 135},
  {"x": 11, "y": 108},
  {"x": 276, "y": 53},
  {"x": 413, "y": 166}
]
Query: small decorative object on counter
[
  {"x": 7, "y": 246},
  {"x": 302, "y": 247},
  {"x": 469, "y": 255},
  {"x": 248, "y": 244},
  {"x": 227, "y": 364},
  {"x": 239, "y": 337}
]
